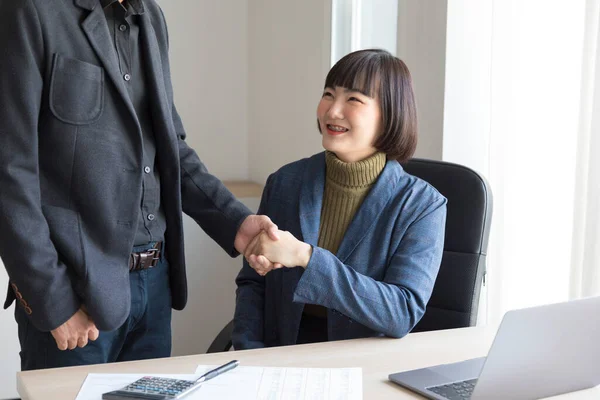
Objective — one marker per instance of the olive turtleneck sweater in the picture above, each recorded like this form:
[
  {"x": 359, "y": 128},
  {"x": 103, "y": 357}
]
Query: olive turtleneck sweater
[{"x": 346, "y": 186}]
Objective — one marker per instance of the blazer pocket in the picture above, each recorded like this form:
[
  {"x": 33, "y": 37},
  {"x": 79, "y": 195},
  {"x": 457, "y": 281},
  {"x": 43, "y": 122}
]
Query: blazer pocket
[{"x": 76, "y": 90}]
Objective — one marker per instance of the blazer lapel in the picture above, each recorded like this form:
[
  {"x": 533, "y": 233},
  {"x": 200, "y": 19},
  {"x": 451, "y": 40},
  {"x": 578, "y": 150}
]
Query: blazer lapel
[
  {"x": 369, "y": 211},
  {"x": 311, "y": 199},
  {"x": 96, "y": 29}
]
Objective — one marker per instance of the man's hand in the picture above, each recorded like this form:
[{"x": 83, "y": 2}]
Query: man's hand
[
  {"x": 76, "y": 331},
  {"x": 287, "y": 251},
  {"x": 251, "y": 227}
]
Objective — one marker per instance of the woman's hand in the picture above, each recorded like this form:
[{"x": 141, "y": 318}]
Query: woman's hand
[{"x": 263, "y": 252}]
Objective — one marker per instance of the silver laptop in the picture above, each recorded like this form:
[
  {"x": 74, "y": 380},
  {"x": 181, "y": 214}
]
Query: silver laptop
[{"x": 538, "y": 352}]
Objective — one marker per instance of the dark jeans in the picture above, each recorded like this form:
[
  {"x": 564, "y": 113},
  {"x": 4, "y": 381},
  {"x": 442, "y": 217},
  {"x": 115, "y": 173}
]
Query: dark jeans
[{"x": 145, "y": 334}]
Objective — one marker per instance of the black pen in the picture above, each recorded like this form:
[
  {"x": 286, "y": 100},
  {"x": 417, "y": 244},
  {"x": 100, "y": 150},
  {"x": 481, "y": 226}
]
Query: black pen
[{"x": 218, "y": 371}]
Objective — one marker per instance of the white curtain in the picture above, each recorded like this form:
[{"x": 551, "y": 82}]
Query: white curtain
[
  {"x": 585, "y": 264},
  {"x": 522, "y": 106}
]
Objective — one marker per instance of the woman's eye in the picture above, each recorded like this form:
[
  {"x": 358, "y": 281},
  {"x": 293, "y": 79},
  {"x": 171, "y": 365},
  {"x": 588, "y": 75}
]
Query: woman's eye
[
  {"x": 327, "y": 94},
  {"x": 354, "y": 99}
]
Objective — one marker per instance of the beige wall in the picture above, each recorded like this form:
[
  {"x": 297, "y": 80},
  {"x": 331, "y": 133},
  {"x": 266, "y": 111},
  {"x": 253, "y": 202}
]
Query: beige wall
[
  {"x": 288, "y": 59},
  {"x": 209, "y": 51},
  {"x": 422, "y": 45}
]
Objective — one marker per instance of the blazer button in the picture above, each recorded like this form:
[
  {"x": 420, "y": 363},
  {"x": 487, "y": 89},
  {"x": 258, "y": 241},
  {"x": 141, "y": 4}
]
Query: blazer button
[{"x": 28, "y": 310}]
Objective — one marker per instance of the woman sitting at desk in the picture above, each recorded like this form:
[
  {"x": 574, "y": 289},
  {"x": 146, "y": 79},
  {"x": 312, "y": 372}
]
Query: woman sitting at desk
[{"x": 362, "y": 239}]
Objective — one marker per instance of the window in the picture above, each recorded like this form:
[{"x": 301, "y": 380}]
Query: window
[{"x": 363, "y": 24}]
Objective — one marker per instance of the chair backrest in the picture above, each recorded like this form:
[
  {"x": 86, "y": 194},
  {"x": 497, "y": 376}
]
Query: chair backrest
[
  {"x": 455, "y": 298},
  {"x": 223, "y": 340}
]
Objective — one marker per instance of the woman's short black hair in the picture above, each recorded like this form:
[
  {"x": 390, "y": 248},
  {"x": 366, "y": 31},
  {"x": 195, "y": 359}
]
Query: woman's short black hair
[{"x": 378, "y": 74}]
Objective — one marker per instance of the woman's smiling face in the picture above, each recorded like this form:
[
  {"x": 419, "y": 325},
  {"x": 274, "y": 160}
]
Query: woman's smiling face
[{"x": 350, "y": 121}]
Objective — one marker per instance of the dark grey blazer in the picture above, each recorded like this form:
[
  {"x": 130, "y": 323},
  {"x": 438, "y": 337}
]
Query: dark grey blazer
[{"x": 71, "y": 145}]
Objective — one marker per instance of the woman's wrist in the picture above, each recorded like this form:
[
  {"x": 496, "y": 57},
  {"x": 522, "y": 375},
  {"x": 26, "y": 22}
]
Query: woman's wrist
[{"x": 304, "y": 254}]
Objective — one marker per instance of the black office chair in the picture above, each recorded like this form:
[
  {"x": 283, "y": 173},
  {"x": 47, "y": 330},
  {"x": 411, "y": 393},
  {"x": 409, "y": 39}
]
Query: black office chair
[
  {"x": 223, "y": 340},
  {"x": 455, "y": 298}
]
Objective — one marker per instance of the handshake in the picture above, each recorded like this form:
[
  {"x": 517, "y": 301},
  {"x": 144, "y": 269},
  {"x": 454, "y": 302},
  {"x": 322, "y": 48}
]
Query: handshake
[{"x": 270, "y": 248}]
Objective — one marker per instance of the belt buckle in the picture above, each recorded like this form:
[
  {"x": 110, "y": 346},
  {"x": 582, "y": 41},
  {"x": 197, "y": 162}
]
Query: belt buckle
[
  {"x": 146, "y": 259},
  {"x": 149, "y": 259}
]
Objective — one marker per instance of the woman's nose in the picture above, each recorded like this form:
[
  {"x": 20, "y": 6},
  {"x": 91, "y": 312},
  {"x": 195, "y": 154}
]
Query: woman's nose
[{"x": 335, "y": 111}]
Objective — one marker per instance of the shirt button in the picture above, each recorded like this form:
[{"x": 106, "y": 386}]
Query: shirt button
[
  {"x": 147, "y": 170},
  {"x": 150, "y": 217},
  {"x": 123, "y": 28},
  {"x": 127, "y": 77}
]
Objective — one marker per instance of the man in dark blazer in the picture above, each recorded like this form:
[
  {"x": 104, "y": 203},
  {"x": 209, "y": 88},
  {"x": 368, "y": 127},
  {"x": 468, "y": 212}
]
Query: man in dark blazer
[{"x": 94, "y": 176}]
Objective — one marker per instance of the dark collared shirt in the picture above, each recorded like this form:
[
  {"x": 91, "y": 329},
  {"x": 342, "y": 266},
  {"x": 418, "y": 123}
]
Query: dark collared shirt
[{"x": 124, "y": 26}]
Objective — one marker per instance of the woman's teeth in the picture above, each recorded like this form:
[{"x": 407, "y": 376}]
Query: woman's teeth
[{"x": 337, "y": 128}]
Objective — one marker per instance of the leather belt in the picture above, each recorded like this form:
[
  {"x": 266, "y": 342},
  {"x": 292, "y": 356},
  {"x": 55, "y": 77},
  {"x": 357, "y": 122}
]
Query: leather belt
[{"x": 145, "y": 259}]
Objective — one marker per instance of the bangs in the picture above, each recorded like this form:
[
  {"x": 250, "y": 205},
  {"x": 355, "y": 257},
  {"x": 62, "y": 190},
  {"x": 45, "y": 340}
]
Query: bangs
[{"x": 358, "y": 71}]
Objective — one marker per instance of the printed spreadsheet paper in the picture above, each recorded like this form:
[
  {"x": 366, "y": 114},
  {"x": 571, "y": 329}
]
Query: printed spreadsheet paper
[
  {"x": 251, "y": 383},
  {"x": 262, "y": 383}
]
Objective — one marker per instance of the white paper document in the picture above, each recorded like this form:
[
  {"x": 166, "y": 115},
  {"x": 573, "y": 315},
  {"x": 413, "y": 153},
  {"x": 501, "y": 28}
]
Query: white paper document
[
  {"x": 269, "y": 383},
  {"x": 251, "y": 383}
]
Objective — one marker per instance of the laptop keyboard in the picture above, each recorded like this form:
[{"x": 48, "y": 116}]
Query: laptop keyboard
[{"x": 455, "y": 391}]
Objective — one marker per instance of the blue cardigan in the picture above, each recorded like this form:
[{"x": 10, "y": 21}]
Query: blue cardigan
[{"x": 381, "y": 278}]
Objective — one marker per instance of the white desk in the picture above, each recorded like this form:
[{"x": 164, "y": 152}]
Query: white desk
[{"x": 377, "y": 357}]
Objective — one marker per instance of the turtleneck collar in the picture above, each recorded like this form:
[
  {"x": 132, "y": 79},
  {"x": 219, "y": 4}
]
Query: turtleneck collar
[{"x": 357, "y": 174}]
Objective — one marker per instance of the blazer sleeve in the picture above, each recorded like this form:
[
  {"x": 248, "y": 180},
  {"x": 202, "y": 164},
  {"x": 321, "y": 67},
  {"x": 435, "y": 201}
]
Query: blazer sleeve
[
  {"x": 204, "y": 197},
  {"x": 36, "y": 274},
  {"x": 248, "y": 321},
  {"x": 392, "y": 306}
]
